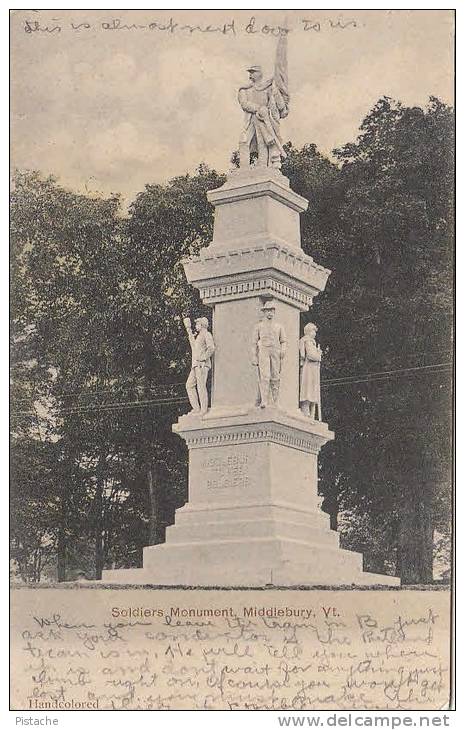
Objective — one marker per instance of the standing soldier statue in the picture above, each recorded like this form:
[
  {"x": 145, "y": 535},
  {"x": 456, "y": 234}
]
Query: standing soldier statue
[
  {"x": 310, "y": 358},
  {"x": 265, "y": 103},
  {"x": 202, "y": 347},
  {"x": 268, "y": 351}
]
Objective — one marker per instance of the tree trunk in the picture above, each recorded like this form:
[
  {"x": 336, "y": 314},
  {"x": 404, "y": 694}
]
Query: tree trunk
[
  {"x": 415, "y": 543},
  {"x": 98, "y": 501},
  {"x": 375, "y": 564},
  {"x": 61, "y": 543},
  {"x": 330, "y": 505},
  {"x": 37, "y": 563},
  {"x": 153, "y": 483}
]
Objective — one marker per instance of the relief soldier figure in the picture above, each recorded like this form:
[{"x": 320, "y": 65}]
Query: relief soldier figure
[
  {"x": 268, "y": 351},
  {"x": 310, "y": 358},
  {"x": 203, "y": 347}
]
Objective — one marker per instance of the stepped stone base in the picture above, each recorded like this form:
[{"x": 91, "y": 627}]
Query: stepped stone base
[
  {"x": 249, "y": 545},
  {"x": 253, "y": 562}
]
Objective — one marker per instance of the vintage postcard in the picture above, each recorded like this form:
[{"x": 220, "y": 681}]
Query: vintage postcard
[{"x": 232, "y": 259}]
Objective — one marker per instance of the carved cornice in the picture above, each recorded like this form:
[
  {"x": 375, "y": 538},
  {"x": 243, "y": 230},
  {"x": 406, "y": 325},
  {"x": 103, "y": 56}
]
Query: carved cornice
[
  {"x": 243, "y": 436},
  {"x": 286, "y": 272},
  {"x": 295, "y": 433},
  {"x": 222, "y": 292}
]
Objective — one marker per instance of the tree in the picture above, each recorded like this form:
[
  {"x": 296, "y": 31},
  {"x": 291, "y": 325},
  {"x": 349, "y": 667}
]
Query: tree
[
  {"x": 395, "y": 220},
  {"x": 64, "y": 269},
  {"x": 98, "y": 295}
]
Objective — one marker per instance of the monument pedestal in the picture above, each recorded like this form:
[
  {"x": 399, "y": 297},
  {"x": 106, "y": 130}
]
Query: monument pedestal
[{"x": 253, "y": 515}]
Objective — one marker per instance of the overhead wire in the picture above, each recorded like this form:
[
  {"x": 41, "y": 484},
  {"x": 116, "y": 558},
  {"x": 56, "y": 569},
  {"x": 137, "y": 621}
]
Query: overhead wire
[
  {"x": 165, "y": 386},
  {"x": 373, "y": 377},
  {"x": 399, "y": 372},
  {"x": 103, "y": 392}
]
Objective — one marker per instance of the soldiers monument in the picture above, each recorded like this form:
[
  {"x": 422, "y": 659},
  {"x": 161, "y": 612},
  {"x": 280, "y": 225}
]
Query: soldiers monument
[{"x": 253, "y": 516}]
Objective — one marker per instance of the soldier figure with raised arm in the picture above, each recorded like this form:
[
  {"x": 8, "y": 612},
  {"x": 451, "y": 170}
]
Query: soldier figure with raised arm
[
  {"x": 203, "y": 347},
  {"x": 268, "y": 351}
]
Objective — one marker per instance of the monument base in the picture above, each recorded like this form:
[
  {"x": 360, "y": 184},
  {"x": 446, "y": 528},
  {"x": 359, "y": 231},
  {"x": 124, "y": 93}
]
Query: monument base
[
  {"x": 253, "y": 517},
  {"x": 247, "y": 555}
]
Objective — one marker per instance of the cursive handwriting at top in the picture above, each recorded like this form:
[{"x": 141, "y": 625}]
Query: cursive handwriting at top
[
  {"x": 33, "y": 26},
  {"x": 233, "y": 27}
]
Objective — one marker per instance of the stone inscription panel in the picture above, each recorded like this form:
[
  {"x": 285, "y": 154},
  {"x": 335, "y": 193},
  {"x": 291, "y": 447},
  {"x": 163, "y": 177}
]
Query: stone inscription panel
[{"x": 226, "y": 472}]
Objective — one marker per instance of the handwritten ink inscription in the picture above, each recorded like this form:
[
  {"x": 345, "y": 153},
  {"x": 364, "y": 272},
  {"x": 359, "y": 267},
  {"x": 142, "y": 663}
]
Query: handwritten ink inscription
[
  {"x": 251, "y": 27},
  {"x": 226, "y": 472},
  {"x": 237, "y": 657}
]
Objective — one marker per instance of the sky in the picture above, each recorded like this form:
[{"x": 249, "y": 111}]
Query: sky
[{"x": 109, "y": 101}]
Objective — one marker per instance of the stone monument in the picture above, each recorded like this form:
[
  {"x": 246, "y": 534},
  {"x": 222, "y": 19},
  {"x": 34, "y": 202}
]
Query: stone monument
[{"x": 253, "y": 516}]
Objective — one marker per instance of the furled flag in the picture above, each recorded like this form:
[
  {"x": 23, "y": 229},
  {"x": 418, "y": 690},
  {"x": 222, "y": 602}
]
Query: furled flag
[{"x": 280, "y": 80}]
